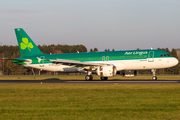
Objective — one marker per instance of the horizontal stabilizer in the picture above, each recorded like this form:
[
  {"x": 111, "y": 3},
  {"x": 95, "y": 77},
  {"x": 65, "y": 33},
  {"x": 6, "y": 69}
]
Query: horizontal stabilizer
[{"x": 17, "y": 59}]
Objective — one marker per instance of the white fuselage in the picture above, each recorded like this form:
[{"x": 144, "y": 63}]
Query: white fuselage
[{"x": 139, "y": 64}]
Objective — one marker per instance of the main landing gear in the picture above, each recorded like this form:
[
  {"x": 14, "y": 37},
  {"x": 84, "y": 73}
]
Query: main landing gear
[
  {"x": 154, "y": 74},
  {"x": 89, "y": 76}
]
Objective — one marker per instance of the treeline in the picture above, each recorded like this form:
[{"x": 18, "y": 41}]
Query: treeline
[{"x": 9, "y": 68}]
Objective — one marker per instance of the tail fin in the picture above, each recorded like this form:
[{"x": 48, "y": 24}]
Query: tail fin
[{"x": 26, "y": 46}]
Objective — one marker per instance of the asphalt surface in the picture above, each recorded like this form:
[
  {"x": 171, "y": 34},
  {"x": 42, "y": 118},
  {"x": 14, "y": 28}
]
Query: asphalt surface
[{"x": 89, "y": 82}]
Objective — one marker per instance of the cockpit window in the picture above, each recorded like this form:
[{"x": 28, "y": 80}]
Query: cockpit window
[{"x": 164, "y": 55}]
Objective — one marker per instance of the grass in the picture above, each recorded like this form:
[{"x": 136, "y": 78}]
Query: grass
[
  {"x": 89, "y": 102},
  {"x": 82, "y": 77}
]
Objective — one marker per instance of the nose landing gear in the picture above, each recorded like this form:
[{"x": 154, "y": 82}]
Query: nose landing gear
[{"x": 154, "y": 74}]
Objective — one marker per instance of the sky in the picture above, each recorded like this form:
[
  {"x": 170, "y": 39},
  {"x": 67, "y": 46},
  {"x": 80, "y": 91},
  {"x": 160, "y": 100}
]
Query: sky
[{"x": 105, "y": 24}]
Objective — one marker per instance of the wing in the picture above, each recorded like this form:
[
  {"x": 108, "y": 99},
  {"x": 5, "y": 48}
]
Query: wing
[{"x": 75, "y": 63}]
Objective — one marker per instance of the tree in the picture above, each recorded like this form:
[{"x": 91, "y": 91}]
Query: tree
[
  {"x": 91, "y": 50},
  {"x": 95, "y": 50}
]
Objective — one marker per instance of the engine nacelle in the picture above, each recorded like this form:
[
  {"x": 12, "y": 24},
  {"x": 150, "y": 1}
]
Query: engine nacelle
[
  {"x": 106, "y": 71},
  {"x": 129, "y": 73}
]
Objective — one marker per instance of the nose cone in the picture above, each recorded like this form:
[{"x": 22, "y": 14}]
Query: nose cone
[{"x": 175, "y": 61}]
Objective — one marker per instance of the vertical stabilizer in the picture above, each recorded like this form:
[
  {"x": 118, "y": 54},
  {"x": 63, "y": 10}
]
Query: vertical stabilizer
[{"x": 26, "y": 46}]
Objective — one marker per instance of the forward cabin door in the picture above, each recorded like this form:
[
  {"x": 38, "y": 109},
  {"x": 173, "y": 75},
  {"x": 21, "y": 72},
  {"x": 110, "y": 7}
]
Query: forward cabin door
[{"x": 151, "y": 56}]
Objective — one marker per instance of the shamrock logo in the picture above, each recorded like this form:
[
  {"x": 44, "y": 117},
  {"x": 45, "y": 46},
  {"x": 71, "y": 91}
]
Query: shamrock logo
[{"x": 26, "y": 44}]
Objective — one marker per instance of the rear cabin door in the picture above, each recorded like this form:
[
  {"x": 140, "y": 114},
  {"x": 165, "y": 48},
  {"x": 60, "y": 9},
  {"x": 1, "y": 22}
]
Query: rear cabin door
[
  {"x": 151, "y": 56},
  {"x": 41, "y": 63}
]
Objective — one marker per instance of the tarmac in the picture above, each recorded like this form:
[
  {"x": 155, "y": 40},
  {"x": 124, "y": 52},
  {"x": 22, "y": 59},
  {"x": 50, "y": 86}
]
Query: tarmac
[{"x": 58, "y": 81}]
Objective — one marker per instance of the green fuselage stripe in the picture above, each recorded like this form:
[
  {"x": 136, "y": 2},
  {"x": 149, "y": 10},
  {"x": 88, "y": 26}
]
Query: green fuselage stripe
[{"x": 99, "y": 56}]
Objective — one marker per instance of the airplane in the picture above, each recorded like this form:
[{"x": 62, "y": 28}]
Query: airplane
[{"x": 104, "y": 64}]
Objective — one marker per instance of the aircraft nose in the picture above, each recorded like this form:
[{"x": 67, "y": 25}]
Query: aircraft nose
[{"x": 175, "y": 61}]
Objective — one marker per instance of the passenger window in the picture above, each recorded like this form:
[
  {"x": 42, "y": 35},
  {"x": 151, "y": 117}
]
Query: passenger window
[
  {"x": 165, "y": 55},
  {"x": 161, "y": 55}
]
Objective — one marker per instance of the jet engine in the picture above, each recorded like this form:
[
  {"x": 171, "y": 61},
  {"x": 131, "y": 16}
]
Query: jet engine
[{"x": 106, "y": 71}]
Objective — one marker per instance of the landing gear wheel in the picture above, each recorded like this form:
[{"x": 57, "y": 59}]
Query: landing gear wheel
[
  {"x": 89, "y": 77},
  {"x": 154, "y": 78},
  {"x": 104, "y": 78},
  {"x": 154, "y": 74}
]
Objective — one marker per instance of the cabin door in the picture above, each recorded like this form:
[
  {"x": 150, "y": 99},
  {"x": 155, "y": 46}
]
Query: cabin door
[
  {"x": 41, "y": 63},
  {"x": 105, "y": 58},
  {"x": 151, "y": 56}
]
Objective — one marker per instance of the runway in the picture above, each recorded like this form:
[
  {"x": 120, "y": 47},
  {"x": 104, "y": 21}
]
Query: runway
[{"x": 57, "y": 81}]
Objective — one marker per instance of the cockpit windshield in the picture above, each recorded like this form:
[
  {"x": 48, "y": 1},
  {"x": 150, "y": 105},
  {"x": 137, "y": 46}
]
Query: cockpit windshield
[{"x": 165, "y": 55}]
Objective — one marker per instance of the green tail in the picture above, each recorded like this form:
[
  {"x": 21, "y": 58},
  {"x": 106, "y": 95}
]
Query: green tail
[{"x": 26, "y": 46}]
